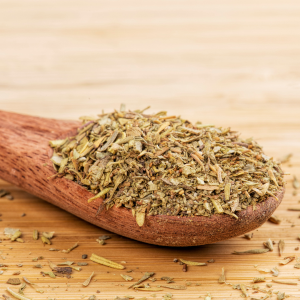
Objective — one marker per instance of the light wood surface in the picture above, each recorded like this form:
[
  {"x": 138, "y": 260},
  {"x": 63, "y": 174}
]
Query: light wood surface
[{"x": 232, "y": 63}]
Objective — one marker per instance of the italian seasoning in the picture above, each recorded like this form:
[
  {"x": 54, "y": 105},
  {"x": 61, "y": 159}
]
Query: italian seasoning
[{"x": 159, "y": 165}]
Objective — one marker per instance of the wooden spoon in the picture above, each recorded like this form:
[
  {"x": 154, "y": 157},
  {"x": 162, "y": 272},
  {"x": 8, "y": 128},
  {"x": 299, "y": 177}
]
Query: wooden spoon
[{"x": 24, "y": 151}]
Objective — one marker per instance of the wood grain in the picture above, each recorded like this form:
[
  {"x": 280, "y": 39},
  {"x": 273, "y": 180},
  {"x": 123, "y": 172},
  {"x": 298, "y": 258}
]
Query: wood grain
[{"x": 228, "y": 62}]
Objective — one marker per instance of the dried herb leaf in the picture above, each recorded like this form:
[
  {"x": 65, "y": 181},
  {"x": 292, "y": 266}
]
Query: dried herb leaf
[
  {"x": 88, "y": 280},
  {"x": 287, "y": 260},
  {"x": 13, "y": 281},
  {"x": 275, "y": 272},
  {"x": 126, "y": 277},
  {"x": 222, "y": 278},
  {"x": 22, "y": 288},
  {"x": 281, "y": 246},
  {"x": 45, "y": 240},
  {"x": 192, "y": 263},
  {"x": 285, "y": 282},
  {"x": 140, "y": 218},
  {"x": 258, "y": 279},
  {"x": 16, "y": 295},
  {"x": 296, "y": 183},
  {"x": 274, "y": 219},
  {"x": 148, "y": 289},
  {"x": 104, "y": 237},
  {"x": 244, "y": 290},
  {"x": 146, "y": 276},
  {"x": 51, "y": 274},
  {"x": 35, "y": 235},
  {"x": 66, "y": 263},
  {"x": 280, "y": 296},
  {"x": 208, "y": 297},
  {"x": 70, "y": 249},
  {"x": 106, "y": 262},
  {"x": 48, "y": 235},
  {"x": 248, "y": 236},
  {"x": 63, "y": 270},
  {"x": 174, "y": 287},
  {"x": 252, "y": 251},
  {"x": 268, "y": 244},
  {"x": 16, "y": 235}
]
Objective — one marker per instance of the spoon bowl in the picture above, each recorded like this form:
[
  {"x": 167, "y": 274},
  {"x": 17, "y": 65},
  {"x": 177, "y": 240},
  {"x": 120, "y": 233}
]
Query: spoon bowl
[{"x": 25, "y": 161}]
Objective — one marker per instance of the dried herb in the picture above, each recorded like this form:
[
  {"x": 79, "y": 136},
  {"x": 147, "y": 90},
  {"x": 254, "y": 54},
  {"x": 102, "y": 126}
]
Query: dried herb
[
  {"x": 13, "y": 281},
  {"x": 263, "y": 269},
  {"x": 70, "y": 249},
  {"x": 258, "y": 279},
  {"x": 88, "y": 280},
  {"x": 148, "y": 289},
  {"x": 101, "y": 242},
  {"x": 285, "y": 282},
  {"x": 16, "y": 273},
  {"x": 208, "y": 297},
  {"x": 244, "y": 290},
  {"x": 104, "y": 237},
  {"x": 296, "y": 183},
  {"x": 51, "y": 274},
  {"x": 126, "y": 277},
  {"x": 174, "y": 287},
  {"x": 3, "y": 193},
  {"x": 287, "y": 260},
  {"x": 280, "y": 296},
  {"x": 22, "y": 288},
  {"x": 166, "y": 278},
  {"x": 16, "y": 235},
  {"x": 146, "y": 276},
  {"x": 248, "y": 236},
  {"x": 192, "y": 263},
  {"x": 63, "y": 270},
  {"x": 281, "y": 246},
  {"x": 82, "y": 264},
  {"x": 45, "y": 240},
  {"x": 106, "y": 262},
  {"x": 275, "y": 272},
  {"x": 16, "y": 295},
  {"x": 39, "y": 266},
  {"x": 274, "y": 219},
  {"x": 294, "y": 209},
  {"x": 222, "y": 278},
  {"x": 268, "y": 244},
  {"x": 35, "y": 235},
  {"x": 158, "y": 165},
  {"x": 84, "y": 256},
  {"x": 253, "y": 251},
  {"x": 66, "y": 263},
  {"x": 48, "y": 235}
]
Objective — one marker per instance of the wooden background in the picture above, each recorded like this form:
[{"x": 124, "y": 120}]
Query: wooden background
[{"x": 231, "y": 63}]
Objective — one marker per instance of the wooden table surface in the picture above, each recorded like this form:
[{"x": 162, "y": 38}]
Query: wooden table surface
[{"x": 231, "y": 63}]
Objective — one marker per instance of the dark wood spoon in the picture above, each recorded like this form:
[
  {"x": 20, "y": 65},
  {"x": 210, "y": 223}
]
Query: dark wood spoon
[{"x": 24, "y": 149}]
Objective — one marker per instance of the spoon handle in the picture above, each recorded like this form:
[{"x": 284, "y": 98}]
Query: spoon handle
[{"x": 24, "y": 149}]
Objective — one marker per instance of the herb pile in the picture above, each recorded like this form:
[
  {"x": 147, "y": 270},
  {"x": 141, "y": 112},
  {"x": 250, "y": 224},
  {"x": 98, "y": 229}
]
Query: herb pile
[{"x": 164, "y": 165}]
